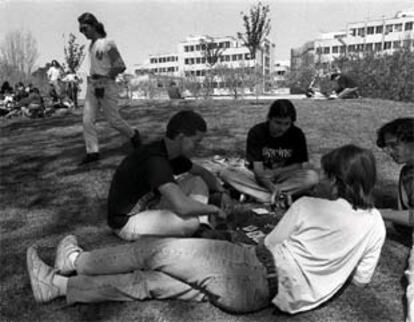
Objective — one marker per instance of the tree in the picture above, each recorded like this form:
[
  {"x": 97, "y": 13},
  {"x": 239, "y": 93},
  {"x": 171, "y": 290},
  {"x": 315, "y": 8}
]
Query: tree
[
  {"x": 74, "y": 54},
  {"x": 257, "y": 27},
  {"x": 18, "y": 54}
]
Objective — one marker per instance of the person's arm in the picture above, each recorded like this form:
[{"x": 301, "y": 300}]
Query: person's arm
[
  {"x": 117, "y": 64},
  {"x": 401, "y": 217},
  {"x": 209, "y": 178},
  {"x": 185, "y": 206}
]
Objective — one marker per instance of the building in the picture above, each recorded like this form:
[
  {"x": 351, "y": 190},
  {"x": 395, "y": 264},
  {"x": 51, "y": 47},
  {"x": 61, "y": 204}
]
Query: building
[
  {"x": 382, "y": 35},
  {"x": 198, "y": 54}
]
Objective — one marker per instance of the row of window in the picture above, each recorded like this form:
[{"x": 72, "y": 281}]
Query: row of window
[
  {"x": 163, "y": 59},
  {"x": 222, "y": 58},
  {"x": 164, "y": 70},
  {"x": 370, "y": 30},
  {"x": 198, "y": 47},
  {"x": 378, "y": 46}
]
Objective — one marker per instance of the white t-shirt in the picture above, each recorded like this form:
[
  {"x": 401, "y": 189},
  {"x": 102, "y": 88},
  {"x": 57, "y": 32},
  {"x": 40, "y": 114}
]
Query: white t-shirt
[
  {"x": 53, "y": 73},
  {"x": 100, "y": 63},
  {"x": 317, "y": 245}
]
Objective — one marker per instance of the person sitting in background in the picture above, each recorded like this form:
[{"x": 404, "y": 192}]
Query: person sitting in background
[
  {"x": 345, "y": 86},
  {"x": 145, "y": 198},
  {"x": 396, "y": 138},
  {"x": 315, "y": 248},
  {"x": 33, "y": 105},
  {"x": 19, "y": 92},
  {"x": 276, "y": 153}
]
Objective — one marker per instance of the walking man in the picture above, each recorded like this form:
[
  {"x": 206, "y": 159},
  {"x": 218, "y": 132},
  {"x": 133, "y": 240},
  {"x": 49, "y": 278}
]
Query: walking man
[{"x": 105, "y": 64}]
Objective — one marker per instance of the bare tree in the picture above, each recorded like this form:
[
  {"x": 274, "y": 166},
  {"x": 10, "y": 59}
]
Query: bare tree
[
  {"x": 18, "y": 52},
  {"x": 74, "y": 54},
  {"x": 257, "y": 27}
]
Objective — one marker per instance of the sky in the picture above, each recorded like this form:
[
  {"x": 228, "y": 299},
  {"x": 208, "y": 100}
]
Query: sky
[{"x": 144, "y": 27}]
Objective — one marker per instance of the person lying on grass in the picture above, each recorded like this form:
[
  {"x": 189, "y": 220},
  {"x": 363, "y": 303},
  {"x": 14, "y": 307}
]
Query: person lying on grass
[
  {"x": 317, "y": 245},
  {"x": 396, "y": 138},
  {"x": 276, "y": 152},
  {"x": 146, "y": 199}
]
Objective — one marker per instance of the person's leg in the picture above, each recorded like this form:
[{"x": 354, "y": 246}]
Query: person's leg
[
  {"x": 298, "y": 181},
  {"x": 349, "y": 93},
  {"x": 230, "y": 275},
  {"x": 90, "y": 134},
  {"x": 110, "y": 109},
  {"x": 243, "y": 180}
]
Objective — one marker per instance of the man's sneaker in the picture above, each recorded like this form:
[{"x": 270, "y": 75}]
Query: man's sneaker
[
  {"x": 66, "y": 247},
  {"x": 90, "y": 157},
  {"x": 136, "y": 139},
  {"x": 41, "y": 277}
]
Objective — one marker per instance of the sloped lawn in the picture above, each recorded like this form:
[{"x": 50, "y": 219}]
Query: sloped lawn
[{"x": 45, "y": 195}]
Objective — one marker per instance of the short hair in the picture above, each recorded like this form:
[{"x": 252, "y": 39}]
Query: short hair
[
  {"x": 89, "y": 19},
  {"x": 401, "y": 128},
  {"x": 355, "y": 172},
  {"x": 282, "y": 108},
  {"x": 186, "y": 122}
]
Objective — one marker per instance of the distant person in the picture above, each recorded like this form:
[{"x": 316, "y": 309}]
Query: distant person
[
  {"x": 54, "y": 75},
  {"x": 345, "y": 86},
  {"x": 105, "y": 64},
  {"x": 317, "y": 246},
  {"x": 33, "y": 105},
  {"x": 19, "y": 92},
  {"x": 72, "y": 82},
  {"x": 396, "y": 138},
  {"x": 276, "y": 154},
  {"x": 6, "y": 88},
  {"x": 146, "y": 199}
]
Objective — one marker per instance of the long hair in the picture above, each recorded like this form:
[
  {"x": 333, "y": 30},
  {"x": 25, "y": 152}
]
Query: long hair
[
  {"x": 186, "y": 122},
  {"x": 355, "y": 172},
  {"x": 89, "y": 19}
]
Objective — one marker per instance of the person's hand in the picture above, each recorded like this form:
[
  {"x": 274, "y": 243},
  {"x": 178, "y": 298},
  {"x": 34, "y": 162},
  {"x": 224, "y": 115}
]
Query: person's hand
[
  {"x": 226, "y": 202},
  {"x": 276, "y": 193}
]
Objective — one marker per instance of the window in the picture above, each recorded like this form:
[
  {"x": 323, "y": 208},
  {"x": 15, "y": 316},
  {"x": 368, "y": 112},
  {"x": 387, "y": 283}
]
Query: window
[
  {"x": 378, "y": 46},
  {"x": 192, "y": 61},
  {"x": 240, "y": 57},
  {"x": 343, "y": 49},
  {"x": 360, "y": 47},
  {"x": 186, "y": 61},
  {"x": 227, "y": 57},
  {"x": 198, "y": 60},
  {"x": 398, "y": 27},
  {"x": 234, "y": 57},
  {"x": 319, "y": 50},
  {"x": 369, "y": 47},
  {"x": 370, "y": 30},
  {"x": 191, "y": 48},
  {"x": 326, "y": 50},
  {"x": 186, "y": 48},
  {"x": 387, "y": 45},
  {"x": 227, "y": 44},
  {"x": 335, "y": 49},
  {"x": 197, "y": 47},
  {"x": 396, "y": 44},
  {"x": 379, "y": 29},
  {"x": 361, "y": 32},
  {"x": 247, "y": 56},
  {"x": 388, "y": 28},
  {"x": 351, "y": 48},
  {"x": 353, "y": 31},
  {"x": 198, "y": 72},
  {"x": 409, "y": 25}
]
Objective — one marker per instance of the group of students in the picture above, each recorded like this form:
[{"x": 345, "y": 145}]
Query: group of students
[{"x": 159, "y": 198}]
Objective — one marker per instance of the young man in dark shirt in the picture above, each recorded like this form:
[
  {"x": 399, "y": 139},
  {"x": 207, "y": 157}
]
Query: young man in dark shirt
[
  {"x": 345, "y": 86},
  {"x": 396, "y": 138},
  {"x": 276, "y": 152},
  {"x": 145, "y": 198}
]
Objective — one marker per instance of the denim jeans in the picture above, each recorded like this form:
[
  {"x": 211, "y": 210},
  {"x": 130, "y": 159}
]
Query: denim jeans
[
  {"x": 109, "y": 105},
  {"x": 228, "y": 275}
]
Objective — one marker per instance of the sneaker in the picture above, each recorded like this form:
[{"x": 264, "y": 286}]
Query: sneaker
[
  {"x": 90, "y": 157},
  {"x": 136, "y": 139},
  {"x": 66, "y": 247},
  {"x": 41, "y": 277}
]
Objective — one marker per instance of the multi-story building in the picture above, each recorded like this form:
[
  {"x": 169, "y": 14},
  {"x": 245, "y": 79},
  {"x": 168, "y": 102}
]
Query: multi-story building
[
  {"x": 190, "y": 59},
  {"x": 383, "y": 35}
]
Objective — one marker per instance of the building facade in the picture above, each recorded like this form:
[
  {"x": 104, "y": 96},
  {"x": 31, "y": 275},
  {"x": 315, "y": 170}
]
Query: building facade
[
  {"x": 383, "y": 35},
  {"x": 191, "y": 60}
]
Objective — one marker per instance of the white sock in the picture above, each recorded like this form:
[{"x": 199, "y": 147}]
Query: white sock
[
  {"x": 73, "y": 258},
  {"x": 61, "y": 282}
]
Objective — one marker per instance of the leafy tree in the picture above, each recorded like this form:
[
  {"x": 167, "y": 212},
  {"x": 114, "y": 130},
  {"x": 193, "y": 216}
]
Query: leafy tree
[
  {"x": 211, "y": 52},
  {"x": 74, "y": 54},
  {"x": 18, "y": 54},
  {"x": 257, "y": 27}
]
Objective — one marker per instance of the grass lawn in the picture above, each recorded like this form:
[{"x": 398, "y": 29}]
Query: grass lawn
[{"x": 45, "y": 195}]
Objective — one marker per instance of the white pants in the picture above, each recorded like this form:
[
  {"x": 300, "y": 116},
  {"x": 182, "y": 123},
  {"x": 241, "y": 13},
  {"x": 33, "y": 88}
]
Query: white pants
[
  {"x": 161, "y": 220},
  {"x": 243, "y": 180},
  {"x": 409, "y": 273},
  {"x": 109, "y": 105}
]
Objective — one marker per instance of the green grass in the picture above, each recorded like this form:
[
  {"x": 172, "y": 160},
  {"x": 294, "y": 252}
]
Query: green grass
[{"x": 45, "y": 195}]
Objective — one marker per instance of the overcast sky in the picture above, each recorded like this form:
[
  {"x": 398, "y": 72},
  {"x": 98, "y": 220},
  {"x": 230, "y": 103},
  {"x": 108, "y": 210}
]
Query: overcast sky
[{"x": 144, "y": 27}]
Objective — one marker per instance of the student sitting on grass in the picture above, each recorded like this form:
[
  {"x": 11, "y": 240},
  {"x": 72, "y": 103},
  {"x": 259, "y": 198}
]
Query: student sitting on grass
[
  {"x": 276, "y": 153},
  {"x": 146, "y": 199},
  {"x": 318, "y": 244},
  {"x": 396, "y": 138}
]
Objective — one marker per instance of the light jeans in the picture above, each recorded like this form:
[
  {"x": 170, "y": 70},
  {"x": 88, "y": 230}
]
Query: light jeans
[
  {"x": 228, "y": 275},
  {"x": 243, "y": 180},
  {"x": 161, "y": 220},
  {"x": 109, "y": 105}
]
